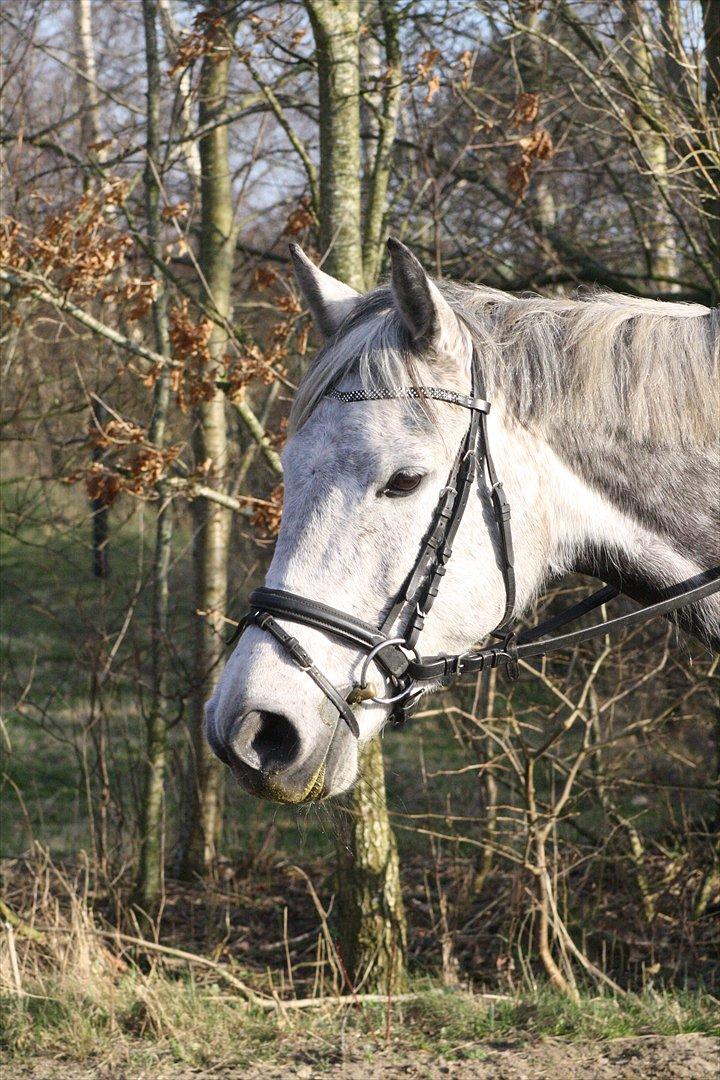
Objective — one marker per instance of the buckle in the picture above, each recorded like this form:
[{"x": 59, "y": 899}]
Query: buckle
[
  {"x": 404, "y": 710},
  {"x": 298, "y": 654},
  {"x": 509, "y": 647},
  {"x": 460, "y": 665}
]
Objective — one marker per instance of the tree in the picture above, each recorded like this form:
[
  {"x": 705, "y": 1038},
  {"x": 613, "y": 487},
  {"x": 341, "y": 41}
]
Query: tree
[
  {"x": 150, "y": 863},
  {"x": 218, "y": 236},
  {"x": 372, "y": 916}
]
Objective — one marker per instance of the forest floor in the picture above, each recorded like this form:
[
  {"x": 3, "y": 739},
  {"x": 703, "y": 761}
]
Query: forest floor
[{"x": 677, "y": 1057}]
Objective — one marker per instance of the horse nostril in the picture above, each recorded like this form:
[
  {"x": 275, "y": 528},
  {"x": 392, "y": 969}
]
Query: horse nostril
[{"x": 266, "y": 741}]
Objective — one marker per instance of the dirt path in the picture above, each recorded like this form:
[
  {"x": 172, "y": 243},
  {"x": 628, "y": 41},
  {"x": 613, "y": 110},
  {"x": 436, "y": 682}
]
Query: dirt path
[{"x": 680, "y": 1057}]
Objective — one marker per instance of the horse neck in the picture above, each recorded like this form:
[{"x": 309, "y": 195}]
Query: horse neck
[{"x": 638, "y": 518}]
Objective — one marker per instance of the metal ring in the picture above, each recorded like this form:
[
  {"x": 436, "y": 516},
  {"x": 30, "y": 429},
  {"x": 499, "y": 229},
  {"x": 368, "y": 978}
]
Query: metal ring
[{"x": 376, "y": 649}]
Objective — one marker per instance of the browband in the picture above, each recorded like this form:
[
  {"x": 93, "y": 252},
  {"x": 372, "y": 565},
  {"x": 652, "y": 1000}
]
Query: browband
[{"x": 436, "y": 393}]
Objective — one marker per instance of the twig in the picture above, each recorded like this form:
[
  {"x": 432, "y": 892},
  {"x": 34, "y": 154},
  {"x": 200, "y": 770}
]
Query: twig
[{"x": 191, "y": 958}]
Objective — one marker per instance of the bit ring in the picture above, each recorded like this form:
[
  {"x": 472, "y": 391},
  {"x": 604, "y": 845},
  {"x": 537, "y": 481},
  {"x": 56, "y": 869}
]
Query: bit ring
[{"x": 371, "y": 656}]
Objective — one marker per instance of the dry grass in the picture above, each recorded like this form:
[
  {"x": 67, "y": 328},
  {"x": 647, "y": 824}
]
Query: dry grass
[{"x": 73, "y": 987}]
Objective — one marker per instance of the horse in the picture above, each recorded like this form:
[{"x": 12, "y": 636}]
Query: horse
[{"x": 604, "y": 429}]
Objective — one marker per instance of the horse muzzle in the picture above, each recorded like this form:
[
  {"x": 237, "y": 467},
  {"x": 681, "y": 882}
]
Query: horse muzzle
[{"x": 266, "y": 754}]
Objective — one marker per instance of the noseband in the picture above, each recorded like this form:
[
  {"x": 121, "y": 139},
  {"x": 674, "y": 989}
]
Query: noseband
[{"x": 405, "y": 669}]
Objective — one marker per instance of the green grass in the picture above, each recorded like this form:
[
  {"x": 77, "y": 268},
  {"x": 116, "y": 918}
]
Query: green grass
[
  {"x": 152, "y": 1018},
  {"x": 457, "y": 1018}
]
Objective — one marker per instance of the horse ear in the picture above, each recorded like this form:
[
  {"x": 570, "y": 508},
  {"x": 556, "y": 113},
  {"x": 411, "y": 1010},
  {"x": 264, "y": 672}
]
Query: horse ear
[
  {"x": 329, "y": 300},
  {"x": 423, "y": 308}
]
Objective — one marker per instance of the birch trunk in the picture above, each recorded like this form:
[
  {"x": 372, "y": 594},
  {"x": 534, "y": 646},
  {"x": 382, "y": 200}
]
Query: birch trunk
[
  {"x": 711, "y": 27},
  {"x": 336, "y": 25},
  {"x": 370, "y": 900},
  {"x": 211, "y": 521},
  {"x": 150, "y": 869},
  {"x": 87, "y": 78},
  {"x": 89, "y": 102},
  {"x": 661, "y": 254},
  {"x": 533, "y": 71},
  {"x": 381, "y": 123}
]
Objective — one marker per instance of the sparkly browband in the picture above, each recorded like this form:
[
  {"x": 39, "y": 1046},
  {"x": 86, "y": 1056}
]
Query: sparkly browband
[{"x": 384, "y": 393}]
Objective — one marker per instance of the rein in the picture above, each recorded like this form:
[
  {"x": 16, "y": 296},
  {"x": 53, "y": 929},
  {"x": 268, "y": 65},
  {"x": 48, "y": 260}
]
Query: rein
[{"x": 398, "y": 657}]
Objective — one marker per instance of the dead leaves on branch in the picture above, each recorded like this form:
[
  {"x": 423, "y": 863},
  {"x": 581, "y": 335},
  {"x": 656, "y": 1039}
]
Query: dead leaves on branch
[
  {"x": 81, "y": 254},
  {"x": 175, "y": 211},
  {"x": 130, "y": 463},
  {"x": 265, "y": 277},
  {"x": 427, "y": 74},
  {"x": 196, "y": 375},
  {"x": 534, "y": 147},
  {"x": 136, "y": 294},
  {"x": 300, "y": 219},
  {"x": 467, "y": 62},
  {"x": 525, "y": 110},
  {"x": 78, "y": 249},
  {"x": 268, "y": 512},
  {"x": 207, "y": 39},
  {"x": 192, "y": 378},
  {"x": 250, "y": 365}
]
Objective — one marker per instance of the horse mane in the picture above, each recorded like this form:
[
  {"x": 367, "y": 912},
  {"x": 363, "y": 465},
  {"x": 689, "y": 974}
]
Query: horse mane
[{"x": 615, "y": 363}]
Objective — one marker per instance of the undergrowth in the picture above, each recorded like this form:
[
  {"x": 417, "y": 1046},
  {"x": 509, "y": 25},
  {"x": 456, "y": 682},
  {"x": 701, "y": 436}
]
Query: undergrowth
[
  {"x": 72, "y": 986},
  {"x": 144, "y": 1019}
]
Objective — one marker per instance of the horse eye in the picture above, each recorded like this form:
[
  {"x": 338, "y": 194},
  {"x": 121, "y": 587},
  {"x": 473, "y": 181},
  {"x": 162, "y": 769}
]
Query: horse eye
[{"x": 402, "y": 482}]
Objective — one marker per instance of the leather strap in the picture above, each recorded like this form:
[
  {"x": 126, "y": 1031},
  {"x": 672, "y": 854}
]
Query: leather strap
[
  {"x": 431, "y": 668},
  {"x": 576, "y": 611},
  {"x": 501, "y": 510},
  {"x": 680, "y": 596},
  {"x": 303, "y": 659},
  {"x": 347, "y": 628}
]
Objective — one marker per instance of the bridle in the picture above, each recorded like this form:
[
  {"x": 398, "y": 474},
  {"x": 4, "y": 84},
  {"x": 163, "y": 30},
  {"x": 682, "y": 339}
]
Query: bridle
[{"x": 397, "y": 656}]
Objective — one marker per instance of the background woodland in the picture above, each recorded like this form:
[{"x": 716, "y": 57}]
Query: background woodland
[{"x": 157, "y": 157}]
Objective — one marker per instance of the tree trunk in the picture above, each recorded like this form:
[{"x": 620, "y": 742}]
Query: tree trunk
[
  {"x": 711, "y": 27},
  {"x": 381, "y": 128},
  {"x": 336, "y": 25},
  {"x": 370, "y": 901},
  {"x": 150, "y": 869},
  {"x": 662, "y": 254},
  {"x": 87, "y": 78},
  {"x": 532, "y": 67},
  {"x": 211, "y": 521},
  {"x": 372, "y": 916},
  {"x": 89, "y": 102}
]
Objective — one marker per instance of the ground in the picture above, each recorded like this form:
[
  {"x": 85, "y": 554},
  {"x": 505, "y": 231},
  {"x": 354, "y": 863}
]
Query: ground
[{"x": 678, "y": 1057}]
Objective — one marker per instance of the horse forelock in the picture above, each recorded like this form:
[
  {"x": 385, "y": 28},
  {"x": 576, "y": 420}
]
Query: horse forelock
[{"x": 371, "y": 343}]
